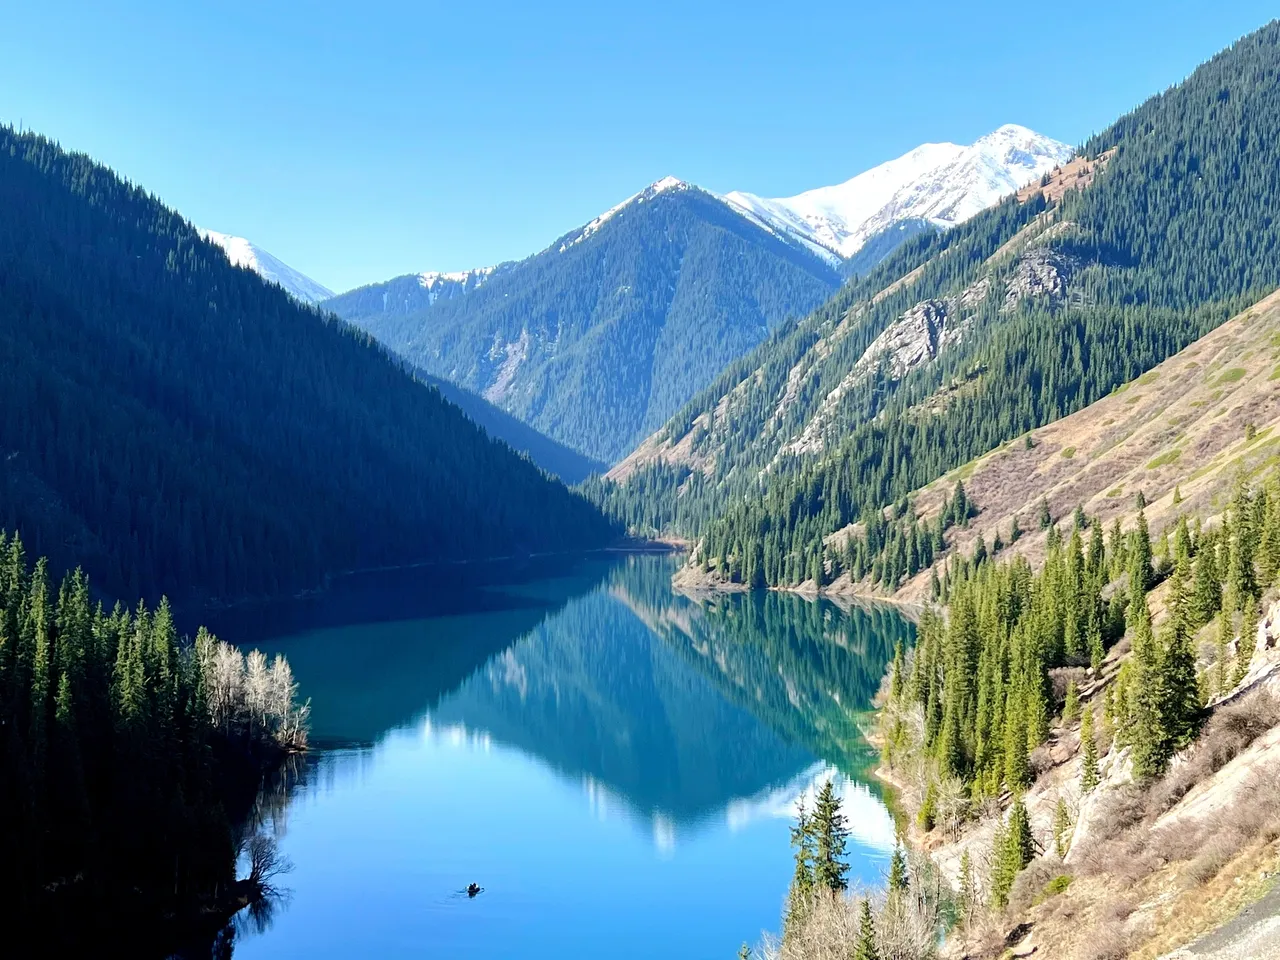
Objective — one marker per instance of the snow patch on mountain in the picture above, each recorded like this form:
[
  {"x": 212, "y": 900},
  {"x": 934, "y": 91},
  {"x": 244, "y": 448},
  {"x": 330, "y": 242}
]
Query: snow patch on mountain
[
  {"x": 454, "y": 284},
  {"x": 665, "y": 185},
  {"x": 244, "y": 253},
  {"x": 941, "y": 183}
]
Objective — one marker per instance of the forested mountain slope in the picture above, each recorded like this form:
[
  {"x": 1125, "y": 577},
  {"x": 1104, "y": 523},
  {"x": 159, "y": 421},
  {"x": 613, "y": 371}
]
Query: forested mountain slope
[
  {"x": 598, "y": 339},
  {"x": 178, "y": 426},
  {"x": 1181, "y": 434},
  {"x": 1159, "y": 231},
  {"x": 638, "y": 310},
  {"x": 551, "y": 455}
]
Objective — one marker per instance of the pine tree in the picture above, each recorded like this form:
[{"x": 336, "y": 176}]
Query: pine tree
[
  {"x": 1071, "y": 705},
  {"x": 897, "y": 678},
  {"x": 1178, "y": 684},
  {"x": 1014, "y": 849},
  {"x": 1088, "y": 753},
  {"x": 1206, "y": 591},
  {"x": 1020, "y": 841},
  {"x": 1223, "y": 675},
  {"x": 1046, "y": 518},
  {"x": 967, "y": 896},
  {"x": 898, "y": 880},
  {"x": 1248, "y": 640},
  {"x": 1152, "y": 745},
  {"x": 1001, "y": 879},
  {"x": 866, "y": 948},
  {"x": 1140, "y": 571},
  {"x": 927, "y": 817},
  {"x": 1078, "y": 519},
  {"x": 1061, "y": 829},
  {"x": 1017, "y": 764},
  {"x": 802, "y": 879},
  {"x": 830, "y": 836}
]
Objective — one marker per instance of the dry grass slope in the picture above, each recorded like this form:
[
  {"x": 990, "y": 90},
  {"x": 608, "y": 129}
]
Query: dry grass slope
[{"x": 1189, "y": 426}]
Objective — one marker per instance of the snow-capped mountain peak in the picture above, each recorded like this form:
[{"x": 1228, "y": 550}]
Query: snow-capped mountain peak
[
  {"x": 665, "y": 185},
  {"x": 244, "y": 253},
  {"x": 941, "y": 183}
]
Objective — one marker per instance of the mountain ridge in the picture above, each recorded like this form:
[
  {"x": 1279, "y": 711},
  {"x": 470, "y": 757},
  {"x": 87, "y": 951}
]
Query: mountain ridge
[
  {"x": 597, "y": 338},
  {"x": 961, "y": 341},
  {"x": 179, "y": 426},
  {"x": 244, "y": 253},
  {"x": 636, "y": 310},
  {"x": 942, "y": 184}
]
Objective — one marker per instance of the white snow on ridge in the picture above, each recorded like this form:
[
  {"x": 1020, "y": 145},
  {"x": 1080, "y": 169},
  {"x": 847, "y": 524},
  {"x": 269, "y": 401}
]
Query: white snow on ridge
[
  {"x": 473, "y": 278},
  {"x": 243, "y": 253},
  {"x": 648, "y": 193},
  {"x": 452, "y": 284},
  {"x": 943, "y": 183}
]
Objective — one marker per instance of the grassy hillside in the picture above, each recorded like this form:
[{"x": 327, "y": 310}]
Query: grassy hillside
[{"x": 1180, "y": 434}]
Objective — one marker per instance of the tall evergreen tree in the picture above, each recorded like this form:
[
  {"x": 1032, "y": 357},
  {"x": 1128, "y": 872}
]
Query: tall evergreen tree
[
  {"x": 830, "y": 837},
  {"x": 899, "y": 882},
  {"x": 866, "y": 948},
  {"x": 802, "y": 880},
  {"x": 1088, "y": 753}
]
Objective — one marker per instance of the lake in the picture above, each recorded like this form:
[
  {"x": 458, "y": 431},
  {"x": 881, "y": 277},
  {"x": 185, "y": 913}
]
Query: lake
[{"x": 615, "y": 764}]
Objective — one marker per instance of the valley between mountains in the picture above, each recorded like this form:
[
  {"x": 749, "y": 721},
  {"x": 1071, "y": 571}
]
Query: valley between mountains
[{"x": 969, "y": 467}]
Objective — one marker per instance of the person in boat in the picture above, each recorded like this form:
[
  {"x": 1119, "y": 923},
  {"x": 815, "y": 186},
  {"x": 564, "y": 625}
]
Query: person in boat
[{"x": 473, "y": 889}]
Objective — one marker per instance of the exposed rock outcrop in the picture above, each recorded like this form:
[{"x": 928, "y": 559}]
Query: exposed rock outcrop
[{"x": 1042, "y": 272}]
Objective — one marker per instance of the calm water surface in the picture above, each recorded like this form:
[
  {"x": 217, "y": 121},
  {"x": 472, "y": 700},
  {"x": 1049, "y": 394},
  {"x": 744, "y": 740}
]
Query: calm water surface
[{"x": 615, "y": 764}]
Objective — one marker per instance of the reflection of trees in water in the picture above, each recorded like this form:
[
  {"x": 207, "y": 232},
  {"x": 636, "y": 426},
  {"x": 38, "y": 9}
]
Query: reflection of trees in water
[
  {"x": 804, "y": 667},
  {"x": 595, "y": 695},
  {"x": 261, "y": 865}
]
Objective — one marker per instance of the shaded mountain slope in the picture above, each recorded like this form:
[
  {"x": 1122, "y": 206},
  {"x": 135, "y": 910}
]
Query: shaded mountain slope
[
  {"x": 180, "y": 426},
  {"x": 551, "y": 455}
]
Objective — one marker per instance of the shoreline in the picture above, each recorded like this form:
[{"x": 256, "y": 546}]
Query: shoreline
[
  {"x": 636, "y": 547},
  {"x": 693, "y": 584}
]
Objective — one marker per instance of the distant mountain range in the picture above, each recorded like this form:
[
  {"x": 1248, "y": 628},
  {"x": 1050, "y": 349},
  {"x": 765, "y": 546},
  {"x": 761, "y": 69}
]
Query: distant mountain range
[
  {"x": 962, "y": 341},
  {"x": 936, "y": 185},
  {"x": 598, "y": 339}
]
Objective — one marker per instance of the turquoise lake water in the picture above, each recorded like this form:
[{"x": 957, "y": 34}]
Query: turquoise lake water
[{"x": 616, "y": 765}]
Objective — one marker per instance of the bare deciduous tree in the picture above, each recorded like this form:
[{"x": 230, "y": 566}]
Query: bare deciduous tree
[{"x": 250, "y": 699}]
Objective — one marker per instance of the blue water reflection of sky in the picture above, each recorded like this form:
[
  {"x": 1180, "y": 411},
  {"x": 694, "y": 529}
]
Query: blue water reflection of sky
[{"x": 613, "y": 795}]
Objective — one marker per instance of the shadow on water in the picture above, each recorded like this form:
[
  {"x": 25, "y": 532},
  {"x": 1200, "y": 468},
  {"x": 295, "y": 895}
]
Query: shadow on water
[{"x": 377, "y": 651}]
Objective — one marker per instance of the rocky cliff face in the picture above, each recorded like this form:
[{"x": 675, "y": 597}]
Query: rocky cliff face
[{"x": 1042, "y": 272}]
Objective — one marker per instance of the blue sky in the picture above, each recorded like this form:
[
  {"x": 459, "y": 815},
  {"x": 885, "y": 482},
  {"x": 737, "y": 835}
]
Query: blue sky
[{"x": 357, "y": 141}]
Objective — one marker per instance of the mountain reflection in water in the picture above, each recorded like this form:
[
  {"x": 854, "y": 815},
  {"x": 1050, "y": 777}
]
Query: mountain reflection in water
[{"x": 614, "y": 763}]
